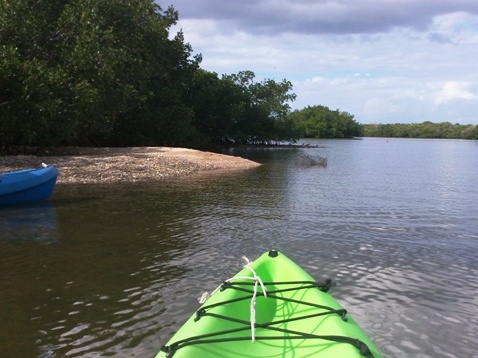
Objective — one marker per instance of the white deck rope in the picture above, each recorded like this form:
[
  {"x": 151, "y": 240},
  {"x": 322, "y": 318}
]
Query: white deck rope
[{"x": 257, "y": 281}]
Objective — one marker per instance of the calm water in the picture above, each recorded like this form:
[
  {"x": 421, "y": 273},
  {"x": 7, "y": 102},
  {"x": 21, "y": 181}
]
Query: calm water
[{"x": 113, "y": 270}]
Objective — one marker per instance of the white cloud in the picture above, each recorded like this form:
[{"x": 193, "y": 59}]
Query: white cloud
[
  {"x": 452, "y": 91},
  {"x": 316, "y": 79},
  {"x": 458, "y": 27}
]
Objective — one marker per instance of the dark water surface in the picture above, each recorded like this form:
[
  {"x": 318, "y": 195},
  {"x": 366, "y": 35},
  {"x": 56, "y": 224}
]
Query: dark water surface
[{"x": 113, "y": 270}]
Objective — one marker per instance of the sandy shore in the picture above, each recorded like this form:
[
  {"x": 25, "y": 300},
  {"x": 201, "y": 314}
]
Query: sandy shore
[{"x": 108, "y": 165}]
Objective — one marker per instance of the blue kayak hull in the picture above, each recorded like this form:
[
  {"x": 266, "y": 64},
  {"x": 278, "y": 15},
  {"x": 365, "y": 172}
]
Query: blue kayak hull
[{"x": 28, "y": 185}]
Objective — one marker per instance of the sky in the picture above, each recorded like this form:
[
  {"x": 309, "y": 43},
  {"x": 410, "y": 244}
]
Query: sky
[{"x": 383, "y": 61}]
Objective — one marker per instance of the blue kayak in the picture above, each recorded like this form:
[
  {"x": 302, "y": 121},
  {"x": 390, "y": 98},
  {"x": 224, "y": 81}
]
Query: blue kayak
[{"x": 29, "y": 185}]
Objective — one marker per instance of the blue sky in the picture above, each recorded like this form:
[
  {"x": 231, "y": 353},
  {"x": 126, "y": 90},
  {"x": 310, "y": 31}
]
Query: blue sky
[{"x": 383, "y": 61}]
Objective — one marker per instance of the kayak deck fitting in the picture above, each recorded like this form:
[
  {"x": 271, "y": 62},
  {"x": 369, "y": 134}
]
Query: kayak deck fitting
[{"x": 271, "y": 308}]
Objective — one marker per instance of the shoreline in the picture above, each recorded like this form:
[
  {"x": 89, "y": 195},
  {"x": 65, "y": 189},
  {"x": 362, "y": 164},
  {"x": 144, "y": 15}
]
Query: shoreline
[{"x": 131, "y": 164}]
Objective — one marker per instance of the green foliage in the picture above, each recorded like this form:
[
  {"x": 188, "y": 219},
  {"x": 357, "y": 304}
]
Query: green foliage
[
  {"x": 321, "y": 122},
  {"x": 261, "y": 109},
  {"x": 235, "y": 109},
  {"x": 426, "y": 129},
  {"x": 92, "y": 72},
  {"x": 213, "y": 101},
  {"x": 108, "y": 72}
]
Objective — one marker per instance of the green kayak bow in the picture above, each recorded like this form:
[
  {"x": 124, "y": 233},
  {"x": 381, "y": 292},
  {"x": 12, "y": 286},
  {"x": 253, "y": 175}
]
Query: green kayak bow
[{"x": 271, "y": 308}]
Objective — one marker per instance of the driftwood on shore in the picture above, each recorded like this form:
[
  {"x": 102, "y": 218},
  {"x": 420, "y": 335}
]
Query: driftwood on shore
[{"x": 305, "y": 160}]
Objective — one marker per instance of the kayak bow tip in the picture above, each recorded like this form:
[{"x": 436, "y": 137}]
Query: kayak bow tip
[{"x": 273, "y": 253}]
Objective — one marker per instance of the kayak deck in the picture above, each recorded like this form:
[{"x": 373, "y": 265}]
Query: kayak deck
[{"x": 271, "y": 308}]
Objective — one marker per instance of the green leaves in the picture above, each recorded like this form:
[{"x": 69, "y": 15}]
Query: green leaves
[
  {"x": 77, "y": 72},
  {"x": 261, "y": 108},
  {"x": 321, "y": 122},
  {"x": 425, "y": 129},
  {"x": 108, "y": 72}
]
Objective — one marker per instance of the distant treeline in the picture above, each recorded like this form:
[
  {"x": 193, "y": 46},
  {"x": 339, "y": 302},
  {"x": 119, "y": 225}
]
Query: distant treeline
[
  {"x": 421, "y": 130},
  {"x": 322, "y": 122},
  {"x": 109, "y": 73}
]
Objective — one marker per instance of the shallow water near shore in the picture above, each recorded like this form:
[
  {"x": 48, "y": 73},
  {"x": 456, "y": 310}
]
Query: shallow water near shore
[{"x": 114, "y": 270}]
